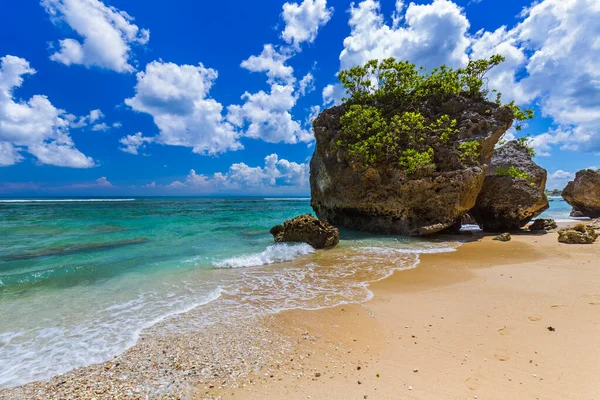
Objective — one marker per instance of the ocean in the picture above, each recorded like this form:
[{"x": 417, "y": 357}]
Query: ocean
[{"x": 81, "y": 278}]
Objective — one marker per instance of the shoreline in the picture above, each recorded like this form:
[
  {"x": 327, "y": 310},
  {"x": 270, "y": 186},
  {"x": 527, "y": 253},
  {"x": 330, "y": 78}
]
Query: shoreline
[{"x": 280, "y": 355}]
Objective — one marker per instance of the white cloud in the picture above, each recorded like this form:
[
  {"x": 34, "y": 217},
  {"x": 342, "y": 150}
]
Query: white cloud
[
  {"x": 552, "y": 61},
  {"x": 559, "y": 179},
  {"x": 272, "y": 63},
  {"x": 267, "y": 115},
  {"x": 102, "y": 181},
  {"x": 132, "y": 143},
  {"x": 302, "y": 21},
  {"x": 106, "y": 34},
  {"x": 177, "y": 97},
  {"x": 275, "y": 173},
  {"x": 307, "y": 84},
  {"x": 428, "y": 34},
  {"x": 34, "y": 125}
]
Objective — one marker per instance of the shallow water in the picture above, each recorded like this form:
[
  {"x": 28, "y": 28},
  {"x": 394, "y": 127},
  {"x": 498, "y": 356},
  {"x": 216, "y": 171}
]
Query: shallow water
[{"x": 79, "y": 280}]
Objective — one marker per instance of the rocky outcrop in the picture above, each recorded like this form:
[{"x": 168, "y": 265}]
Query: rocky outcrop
[
  {"x": 579, "y": 234},
  {"x": 543, "y": 224},
  {"x": 583, "y": 193},
  {"x": 575, "y": 213},
  {"x": 385, "y": 199},
  {"x": 306, "y": 229},
  {"x": 513, "y": 192}
]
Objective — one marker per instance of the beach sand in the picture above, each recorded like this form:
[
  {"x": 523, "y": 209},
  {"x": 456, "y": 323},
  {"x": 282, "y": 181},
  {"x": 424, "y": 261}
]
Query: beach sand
[
  {"x": 516, "y": 320},
  {"x": 493, "y": 320}
]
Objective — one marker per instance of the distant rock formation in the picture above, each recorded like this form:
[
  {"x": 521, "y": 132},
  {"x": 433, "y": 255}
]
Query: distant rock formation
[
  {"x": 306, "y": 229},
  {"x": 575, "y": 213},
  {"x": 385, "y": 199},
  {"x": 579, "y": 234},
  {"x": 543, "y": 224},
  {"x": 583, "y": 193},
  {"x": 513, "y": 192}
]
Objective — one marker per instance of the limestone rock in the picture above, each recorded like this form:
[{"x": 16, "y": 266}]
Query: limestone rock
[
  {"x": 385, "y": 199},
  {"x": 579, "y": 234},
  {"x": 595, "y": 224},
  {"x": 306, "y": 229},
  {"x": 543, "y": 224},
  {"x": 583, "y": 193},
  {"x": 503, "y": 237},
  {"x": 507, "y": 203},
  {"x": 575, "y": 213}
]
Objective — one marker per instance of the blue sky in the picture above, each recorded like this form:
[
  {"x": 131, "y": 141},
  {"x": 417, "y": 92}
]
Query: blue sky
[{"x": 116, "y": 97}]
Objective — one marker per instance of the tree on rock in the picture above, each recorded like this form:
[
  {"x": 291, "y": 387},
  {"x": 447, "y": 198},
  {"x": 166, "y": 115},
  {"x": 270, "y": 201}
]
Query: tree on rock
[{"x": 407, "y": 151}]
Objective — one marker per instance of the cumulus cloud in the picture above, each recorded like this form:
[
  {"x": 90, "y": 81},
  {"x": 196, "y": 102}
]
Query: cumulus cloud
[
  {"x": 105, "y": 34},
  {"x": 427, "y": 34},
  {"x": 34, "y": 126},
  {"x": 302, "y": 21},
  {"x": 132, "y": 143},
  {"x": 177, "y": 97},
  {"x": 276, "y": 172},
  {"x": 272, "y": 63},
  {"x": 552, "y": 61},
  {"x": 559, "y": 179}
]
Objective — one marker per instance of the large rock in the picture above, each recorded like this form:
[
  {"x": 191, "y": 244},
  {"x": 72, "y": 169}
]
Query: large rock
[
  {"x": 306, "y": 229},
  {"x": 508, "y": 203},
  {"x": 584, "y": 193},
  {"x": 385, "y": 199},
  {"x": 579, "y": 234}
]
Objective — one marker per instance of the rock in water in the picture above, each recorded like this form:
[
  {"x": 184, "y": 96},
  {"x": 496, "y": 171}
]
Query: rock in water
[
  {"x": 513, "y": 192},
  {"x": 579, "y": 234},
  {"x": 584, "y": 193},
  {"x": 306, "y": 229},
  {"x": 575, "y": 213},
  {"x": 503, "y": 237},
  {"x": 385, "y": 199},
  {"x": 543, "y": 224}
]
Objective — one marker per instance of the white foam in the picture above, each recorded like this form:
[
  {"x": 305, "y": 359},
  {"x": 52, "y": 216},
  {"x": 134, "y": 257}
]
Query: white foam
[
  {"x": 64, "y": 200},
  {"x": 272, "y": 254},
  {"x": 42, "y": 353}
]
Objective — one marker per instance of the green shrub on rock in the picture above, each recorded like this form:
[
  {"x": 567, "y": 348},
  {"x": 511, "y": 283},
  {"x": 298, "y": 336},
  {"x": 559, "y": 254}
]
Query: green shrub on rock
[{"x": 388, "y": 120}]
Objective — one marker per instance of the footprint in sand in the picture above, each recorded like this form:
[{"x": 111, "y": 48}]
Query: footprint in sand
[
  {"x": 501, "y": 355},
  {"x": 473, "y": 382},
  {"x": 593, "y": 299},
  {"x": 535, "y": 317},
  {"x": 504, "y": 331}
]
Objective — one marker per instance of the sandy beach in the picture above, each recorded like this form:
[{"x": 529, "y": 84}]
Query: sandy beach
[{"x": 493, "y": 320}]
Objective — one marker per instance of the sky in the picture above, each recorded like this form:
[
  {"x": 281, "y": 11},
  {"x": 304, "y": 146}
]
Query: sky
[{"x": 118, "y": 97}]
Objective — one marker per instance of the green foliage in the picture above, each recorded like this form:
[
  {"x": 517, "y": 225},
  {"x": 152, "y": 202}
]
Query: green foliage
[
  {"x": 469, "y": 151},
  {"x": 383, "y": 124},
  {"x": 513, "y": 172},
  {"x": 417, "y": 162},
  {"x": 526, "y": 143}
]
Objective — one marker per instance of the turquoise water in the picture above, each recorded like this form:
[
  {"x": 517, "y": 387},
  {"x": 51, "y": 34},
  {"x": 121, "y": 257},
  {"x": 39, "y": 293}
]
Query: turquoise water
[{"x": 81, "y": 278}]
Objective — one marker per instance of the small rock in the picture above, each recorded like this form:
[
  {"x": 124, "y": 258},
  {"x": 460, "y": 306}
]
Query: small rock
[
  {"x": 543, "y": 224},
  {"x": 416, "y": 370},
  {"x": 551, "y": 329},
  {"x": 504, "y": 237},
  {"x": 410, "y": 388},
  {"x": 317, "y": 374}
]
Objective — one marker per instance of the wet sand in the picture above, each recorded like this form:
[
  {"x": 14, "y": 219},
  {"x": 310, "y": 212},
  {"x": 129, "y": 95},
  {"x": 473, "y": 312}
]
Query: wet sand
[{"x": 493, "y": 320}]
